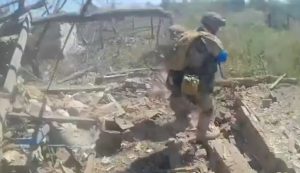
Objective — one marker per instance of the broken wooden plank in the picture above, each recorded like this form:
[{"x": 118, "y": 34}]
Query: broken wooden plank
[
  {"x": 72, "y": 89},
  {"x": 51, "y": 118},
  {"x": 252, "y": 81},
  {"x": 15, "y": 63},
  {"x": 107, "y": 16},
  {"x": 277, "y": 81},
  {"x": 229, "y": 158}
]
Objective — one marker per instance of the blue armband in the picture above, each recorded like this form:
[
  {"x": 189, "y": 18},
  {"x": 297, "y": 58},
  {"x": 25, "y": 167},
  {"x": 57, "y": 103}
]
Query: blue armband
[{"x": 222, "y": 57}]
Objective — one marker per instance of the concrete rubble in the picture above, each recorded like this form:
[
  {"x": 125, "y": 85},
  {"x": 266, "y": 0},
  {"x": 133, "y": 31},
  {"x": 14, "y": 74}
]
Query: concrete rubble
[{"x": 128, "y": 133}]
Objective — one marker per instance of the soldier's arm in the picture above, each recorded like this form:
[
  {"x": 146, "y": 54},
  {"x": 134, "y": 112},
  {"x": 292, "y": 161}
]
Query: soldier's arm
[{"x": 216, "y": 48}]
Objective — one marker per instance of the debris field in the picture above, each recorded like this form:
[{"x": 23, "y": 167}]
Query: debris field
[{"x": 98, "y": 103}]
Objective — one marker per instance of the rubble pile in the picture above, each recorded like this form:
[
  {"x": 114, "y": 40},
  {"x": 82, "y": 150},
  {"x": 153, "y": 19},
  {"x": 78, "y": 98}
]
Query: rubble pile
[
  {"x": 92, "y": 121},
  {"x": 126, "y": 125}
]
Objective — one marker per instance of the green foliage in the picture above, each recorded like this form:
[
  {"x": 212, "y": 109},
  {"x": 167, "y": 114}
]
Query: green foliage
[{"x": 254, "y": 48}]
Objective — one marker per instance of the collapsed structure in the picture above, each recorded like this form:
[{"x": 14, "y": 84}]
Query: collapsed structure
[{"x": 91, "y": 120}]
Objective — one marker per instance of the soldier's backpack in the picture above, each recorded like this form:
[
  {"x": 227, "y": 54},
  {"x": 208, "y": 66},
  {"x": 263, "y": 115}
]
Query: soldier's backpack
[{"x": 177, "y": 59}]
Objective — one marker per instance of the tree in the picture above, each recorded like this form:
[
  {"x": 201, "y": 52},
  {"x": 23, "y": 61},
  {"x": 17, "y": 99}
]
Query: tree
[
  {"x": 165, "y": 4},
  {"x": 258, "y": 4},
  {"x": 237, "y": 5}
]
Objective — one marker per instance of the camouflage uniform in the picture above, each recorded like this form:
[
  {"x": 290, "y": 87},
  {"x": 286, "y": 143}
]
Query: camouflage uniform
[{"x": 200, "y": 60}]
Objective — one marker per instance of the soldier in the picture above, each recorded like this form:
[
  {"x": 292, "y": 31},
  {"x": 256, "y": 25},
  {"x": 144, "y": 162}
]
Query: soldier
[{"x": 191, "y": 73}]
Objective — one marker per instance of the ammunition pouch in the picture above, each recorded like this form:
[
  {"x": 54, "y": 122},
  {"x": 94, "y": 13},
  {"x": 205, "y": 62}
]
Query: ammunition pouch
[{"x": 190, "y": 85}]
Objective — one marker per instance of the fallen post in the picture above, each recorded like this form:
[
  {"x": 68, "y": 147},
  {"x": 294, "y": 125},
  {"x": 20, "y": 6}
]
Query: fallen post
[
  {"x": 72, "y": 89},
  {"x": 51, "y": 118},
  {"x": 277, "y": 81},
  {"x": 252, "y": 81}
]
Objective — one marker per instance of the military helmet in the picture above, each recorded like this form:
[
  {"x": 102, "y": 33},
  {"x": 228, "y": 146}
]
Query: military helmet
[{"x": 213, "y": 20}]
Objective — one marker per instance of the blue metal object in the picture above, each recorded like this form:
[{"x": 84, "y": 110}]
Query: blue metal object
[
  {"x": 223, "y": 56},
  {"x": 41, "y": 135}
]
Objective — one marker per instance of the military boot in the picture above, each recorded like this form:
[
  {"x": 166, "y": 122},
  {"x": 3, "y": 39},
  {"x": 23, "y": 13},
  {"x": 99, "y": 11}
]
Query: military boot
[{"x": 207, "y": 130}]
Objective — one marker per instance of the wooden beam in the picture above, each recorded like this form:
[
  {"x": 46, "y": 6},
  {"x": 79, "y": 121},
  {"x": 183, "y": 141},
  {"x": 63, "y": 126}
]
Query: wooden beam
[
  {"x": 252, "y": 81},
  {"x": 106, "y": 16},
  {"x": 51, "y": 118},
  {"x": 15, "y": 63},
  {"x": 72, "y": 89}
]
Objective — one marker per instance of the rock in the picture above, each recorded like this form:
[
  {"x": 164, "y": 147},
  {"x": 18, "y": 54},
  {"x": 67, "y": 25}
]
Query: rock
[
  {"x": 273, "y": 97},
  {"x": 97, "y": 97},
  {"x": 83, "y": 97},
  {"x": 62, "y": 113},
  {"x": 124, "y": 124},
  {"x": 63, "y": 155},
  {"x": 109, "y": 142},
  {"x": 105, "y": 110},
  {"x": 35, "y": 107},
  {"x": 291, "y": 145},
  {"x": 266, "y": 103},
  {"x": 105, "y": 160},
  {"x": 71, "y": 135},
  {"x": 15, "y": 158},
  {"x": 297, "y": 145},
  {"x": 201, "y": 153},
  {"x": 19, "y": 104},
  {"x": 74, "y": 107},
  {"x": 135, "y": 83},
  {"x": 33, "y": 92}
]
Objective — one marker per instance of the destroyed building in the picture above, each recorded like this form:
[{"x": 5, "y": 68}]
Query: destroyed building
[{"x": 86, "y": 93}]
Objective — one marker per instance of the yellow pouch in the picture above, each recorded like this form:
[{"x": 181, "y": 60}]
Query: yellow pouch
[{"x": 190, "y": 85}]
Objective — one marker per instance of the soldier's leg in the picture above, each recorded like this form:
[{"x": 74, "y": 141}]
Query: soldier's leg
[
  {"x": 206, "y": 127},
  {"x": 180, "y": 105},
  {"x": 178, "y": 102}
]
